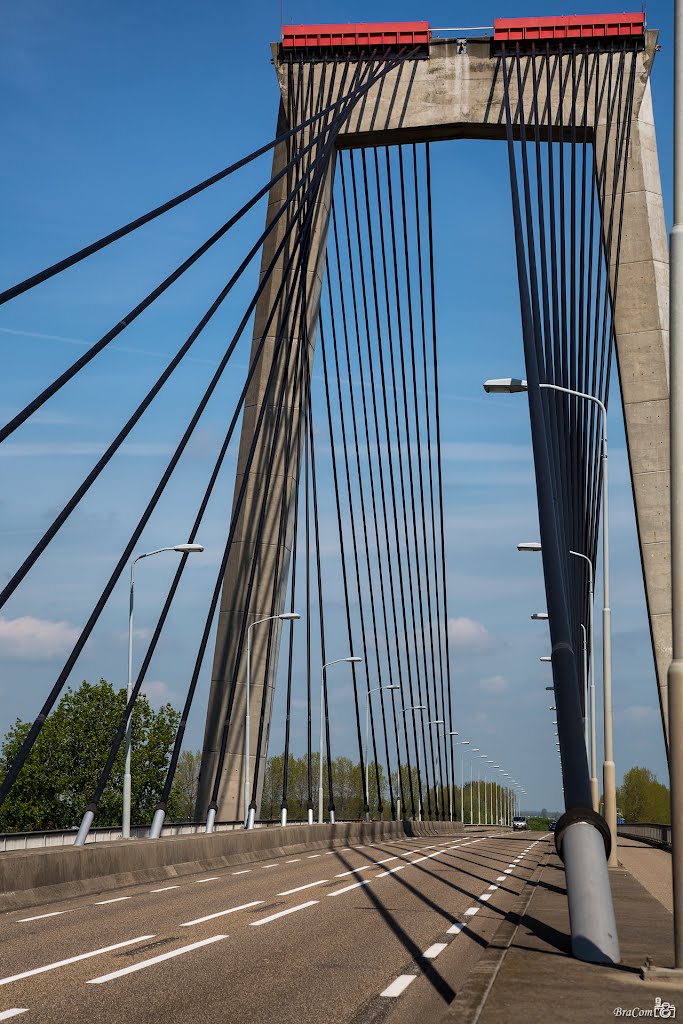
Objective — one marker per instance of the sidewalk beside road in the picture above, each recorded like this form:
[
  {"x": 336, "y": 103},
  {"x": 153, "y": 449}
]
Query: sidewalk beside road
[{"x": 528, "y": 973}]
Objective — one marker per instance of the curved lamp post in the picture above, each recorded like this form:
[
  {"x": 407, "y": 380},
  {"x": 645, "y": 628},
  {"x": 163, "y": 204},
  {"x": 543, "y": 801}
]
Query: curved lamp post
[{"x": 337, "y": 661}]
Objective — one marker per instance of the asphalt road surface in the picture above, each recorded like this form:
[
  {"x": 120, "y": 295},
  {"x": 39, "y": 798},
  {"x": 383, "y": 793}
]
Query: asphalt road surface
[{"x": 383, "y": 932}]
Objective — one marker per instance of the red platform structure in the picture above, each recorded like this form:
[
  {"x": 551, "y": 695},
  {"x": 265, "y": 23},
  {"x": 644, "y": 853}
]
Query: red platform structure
[
  {"x": 593, "y": 26},
  {"x": 407, "y": 33}
]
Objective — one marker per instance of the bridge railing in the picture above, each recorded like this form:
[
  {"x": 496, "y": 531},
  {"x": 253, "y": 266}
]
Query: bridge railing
[
  {"x": 647, "y": 831},
  {"x": 39, "y": 840}
]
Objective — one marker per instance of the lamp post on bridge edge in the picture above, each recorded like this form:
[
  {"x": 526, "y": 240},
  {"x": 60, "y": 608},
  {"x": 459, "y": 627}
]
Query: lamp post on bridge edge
[{"x": 352, "y": 659}]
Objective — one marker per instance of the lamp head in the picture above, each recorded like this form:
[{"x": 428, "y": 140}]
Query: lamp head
[
  {"x": 188, "y": 549},
  {"x": 540, "y": 616},
  {"x": 505, "y": 386},
  {"x": 529, "y": 545},
  {"x": 289, "y": 616},
  {"x": 353, "y": 658},
  {"x": 546, "y": 657}
]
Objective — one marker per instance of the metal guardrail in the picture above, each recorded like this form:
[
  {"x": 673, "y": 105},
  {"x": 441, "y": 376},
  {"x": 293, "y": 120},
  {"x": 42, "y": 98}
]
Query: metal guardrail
[
  {"x": 10, "y": 841},
  {"x": 648, "y": 832}
]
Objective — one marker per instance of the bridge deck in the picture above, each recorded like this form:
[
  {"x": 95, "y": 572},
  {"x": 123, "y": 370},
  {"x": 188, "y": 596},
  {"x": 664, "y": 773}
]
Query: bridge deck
[{"x": 527, "y": 970}]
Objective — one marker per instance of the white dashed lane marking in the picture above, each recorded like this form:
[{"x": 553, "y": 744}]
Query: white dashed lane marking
[
  {"x": 221, "y": 913},
  {"x": 73, "y": 959},
  {"x": 434, "y": 950},
  {"x": 154, "y": 960},
  {"x": 284, "y": 913},
  {"x": 398, "y": 986}
]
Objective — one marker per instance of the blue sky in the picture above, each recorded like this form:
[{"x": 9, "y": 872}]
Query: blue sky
[{"x": 108, "y": 111}]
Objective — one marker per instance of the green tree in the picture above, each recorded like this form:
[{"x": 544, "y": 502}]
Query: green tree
[
  {"x": 185, "y": 785},
  {"x": 61, "y": 773},
  {"x": 642, "y": 798}
]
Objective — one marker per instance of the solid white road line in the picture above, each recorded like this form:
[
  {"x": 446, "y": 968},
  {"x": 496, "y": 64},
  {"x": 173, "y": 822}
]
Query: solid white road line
[
  {"x": 6, "y": 1014},
  {"x": 154, "y": 960},
  {"x": 245, "y": 872},
  {"x": 300, "y": 888},
  {"x": 398, "y": 986},
  {"x": 198, "y": 881},
  {"x": 221, "y": 913},
  {"x": 165, "y": 888},
  {"x": 433, "y": 951},
  {"x": 348, "y": 888},
  {"x": 117, "y": 899},
  {"x": 73, "y": 959},
  {"x": 284, "y": 913}
]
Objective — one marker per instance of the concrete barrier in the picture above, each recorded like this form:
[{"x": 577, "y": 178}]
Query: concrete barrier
[{"x": 33, "y": 877}]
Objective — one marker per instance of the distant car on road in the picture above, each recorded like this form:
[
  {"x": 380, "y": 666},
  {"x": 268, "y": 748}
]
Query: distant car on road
[
  {"x": 519, "y": 823},
  {"x": 552, "y": 825}
]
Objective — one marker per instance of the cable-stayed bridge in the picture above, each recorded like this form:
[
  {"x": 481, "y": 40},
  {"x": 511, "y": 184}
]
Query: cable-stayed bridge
[{"x": 337, "y": 329}]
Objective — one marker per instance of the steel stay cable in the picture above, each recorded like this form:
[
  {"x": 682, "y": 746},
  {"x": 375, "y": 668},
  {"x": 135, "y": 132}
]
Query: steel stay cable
[
  {"x": 335, "y": 477},
  {"x": 349, "y": 492},
  {"x": 101, "y": 464},
  {"x": 314, "y": 209},
  {"x": 438, "y": 448},
  {"x": 231, "y": 696},
  {"x": 395, "y": 390},
  {"x": 352, "y": 275},
  {"x": 85, "y": 633},
  {"x": 179, "y": 735},
  {"x": 114, "y": 236},
  {"x": 431, "y": 491},
  {"x": 409, "y": 458},
  {"x": 389, "y": 308},
  {"x": 133, "y": 314}
]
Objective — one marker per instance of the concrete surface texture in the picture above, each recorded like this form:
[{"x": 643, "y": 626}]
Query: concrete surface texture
[
  {"x": 460, "y": 95},
  {"x": 651, "y": 867}
]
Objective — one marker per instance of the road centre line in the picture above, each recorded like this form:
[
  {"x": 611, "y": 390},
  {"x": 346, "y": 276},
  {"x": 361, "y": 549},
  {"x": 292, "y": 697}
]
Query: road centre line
[
  {"x": 246, "y": 871},
  {"x": 312, "y": 856},
  {"x": 221, "y": 913},
  {"x": 269, "y": 866},
  {"x": 154, "y": 960},
  {"x": 293, "y": 861},
  {"x": 198, "y": 881},
  {"x": 300, "y": 888},
  {"x": 166, "y": 888},
  {"x": 73, "y": 959},
  {"x": 6, "y": 1014},
  {"x": 391, "y": 871},
  {"x": 353, "y": 871},
  {"x": 283, "y": 913},
  {"x": 398, "y": 986},
  {"x": 117, "y": 899}
]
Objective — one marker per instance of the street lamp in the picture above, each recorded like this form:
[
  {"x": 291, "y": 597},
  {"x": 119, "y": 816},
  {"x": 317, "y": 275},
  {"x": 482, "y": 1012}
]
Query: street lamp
[
  {"x": 546, "y": 658},
  {"x": 511, "y": 385},
  {"x": 474, "y": 750},
  {"x": 391, "y": 686},
  {"x": 540, "y": 616},
  {"x": 437, "y": 721},
  {"x": 591, "y": 658},
  {"x": 404, "y": 711},
  {"x": 183, "y": 549},
  {"x": 463, "y": 743},
  {"x": 337, "y": 661},
  {"x": 250, "y": 808},
  {"x": 451, "y": 787}
]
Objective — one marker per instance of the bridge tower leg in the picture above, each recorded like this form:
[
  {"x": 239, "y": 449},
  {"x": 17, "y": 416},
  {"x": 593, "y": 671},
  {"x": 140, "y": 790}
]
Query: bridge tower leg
[{"x": 273, "y": 557}]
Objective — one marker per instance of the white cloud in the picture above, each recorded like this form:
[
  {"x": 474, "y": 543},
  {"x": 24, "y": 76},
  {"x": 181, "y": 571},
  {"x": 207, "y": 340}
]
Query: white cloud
[
  {"x": 157, "y": 691},
  {"x": 33, "y": 639},
  {"x": 469, "y": 635},
  {"x": 639, "y": 714},
  {"x": 493, "y": 684}
]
